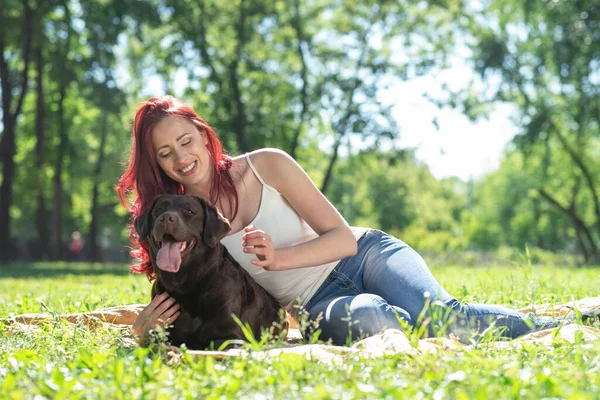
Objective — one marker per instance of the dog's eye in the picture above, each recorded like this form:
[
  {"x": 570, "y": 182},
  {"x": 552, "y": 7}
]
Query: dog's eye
[
  {"x": 158, "y": 210},
  {"x": 188, "y": 212}
]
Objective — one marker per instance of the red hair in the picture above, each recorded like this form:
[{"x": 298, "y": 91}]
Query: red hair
[{"x": 143, "y": 179}]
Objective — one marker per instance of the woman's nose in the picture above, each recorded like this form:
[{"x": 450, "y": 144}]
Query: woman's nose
[{"x": 179, "y": 155}]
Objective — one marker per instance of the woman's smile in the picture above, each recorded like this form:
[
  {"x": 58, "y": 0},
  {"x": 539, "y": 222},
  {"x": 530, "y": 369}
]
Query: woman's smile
[{"x": 190, "y": 169}]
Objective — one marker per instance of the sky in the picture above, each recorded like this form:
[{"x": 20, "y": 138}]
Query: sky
[{"x": 460, "y": 147}]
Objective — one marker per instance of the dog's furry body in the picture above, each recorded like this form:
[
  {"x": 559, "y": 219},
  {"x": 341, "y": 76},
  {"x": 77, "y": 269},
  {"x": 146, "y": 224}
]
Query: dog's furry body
[{"x": 184, "y": 234}]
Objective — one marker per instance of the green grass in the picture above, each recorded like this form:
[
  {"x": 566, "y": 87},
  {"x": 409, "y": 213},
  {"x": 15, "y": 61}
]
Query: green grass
[{"x": 72, "y": 361}]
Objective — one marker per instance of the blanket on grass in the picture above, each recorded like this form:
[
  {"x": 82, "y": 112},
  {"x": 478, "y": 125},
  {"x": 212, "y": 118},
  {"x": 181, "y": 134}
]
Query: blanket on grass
[{"x": 391, "y": 341}]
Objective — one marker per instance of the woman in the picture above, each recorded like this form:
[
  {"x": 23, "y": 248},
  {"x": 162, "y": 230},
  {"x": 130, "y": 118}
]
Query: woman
[{"x": 290, "y": 238}]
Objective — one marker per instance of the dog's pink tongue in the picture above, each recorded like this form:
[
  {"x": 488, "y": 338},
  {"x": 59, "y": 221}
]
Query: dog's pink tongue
[{"x": 168, "y": 257}]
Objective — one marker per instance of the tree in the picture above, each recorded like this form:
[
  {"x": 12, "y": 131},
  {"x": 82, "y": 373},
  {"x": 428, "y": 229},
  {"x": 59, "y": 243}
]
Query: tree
[
  {"x": 543, "y": 57},
  {"x": 15, "y": 53},
  {"x": 357, "y": 55}
]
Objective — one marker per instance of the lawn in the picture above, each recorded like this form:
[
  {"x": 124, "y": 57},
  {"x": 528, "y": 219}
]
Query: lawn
[{"x": 71, "y": 361}]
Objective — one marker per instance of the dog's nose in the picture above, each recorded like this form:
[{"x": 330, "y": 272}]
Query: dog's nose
[{"x": 170, "y": 218}]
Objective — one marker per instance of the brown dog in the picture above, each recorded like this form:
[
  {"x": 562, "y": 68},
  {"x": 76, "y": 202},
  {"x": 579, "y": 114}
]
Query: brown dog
[{"x": 190, "y": 264}]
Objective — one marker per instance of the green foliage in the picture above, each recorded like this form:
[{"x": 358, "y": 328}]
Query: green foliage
[
  {"x": 393, "y": 192},
  {"x": 305, "y": 76},
  {"x": 542, "y": 57}
]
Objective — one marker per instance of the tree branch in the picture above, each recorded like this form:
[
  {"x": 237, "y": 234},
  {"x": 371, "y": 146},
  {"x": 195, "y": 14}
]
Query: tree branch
[
  {"x": 297, "y": 25},
  {"x": 586, "y": 173},
  {"x": 25, "y": 72},
  {"x": 571, "y": 213},
  {"x": 203, "y": 46},
  {"x": 4, "y": 81}
]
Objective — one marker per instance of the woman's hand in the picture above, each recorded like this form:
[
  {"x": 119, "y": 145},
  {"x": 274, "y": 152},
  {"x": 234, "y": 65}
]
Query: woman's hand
[
  {"x": 161, "y": 311},
  {"x": 258, "y": 242}
]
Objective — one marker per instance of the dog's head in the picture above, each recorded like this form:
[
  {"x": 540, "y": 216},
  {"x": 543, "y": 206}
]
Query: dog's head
[{"x": 180, "y": 228}]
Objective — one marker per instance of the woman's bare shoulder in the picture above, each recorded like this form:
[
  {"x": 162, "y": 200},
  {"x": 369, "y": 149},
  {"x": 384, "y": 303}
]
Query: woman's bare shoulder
[
  {"x": 275, "y": 166},
  {"x": 268, "y": 158},
  {"x": 269, "y": 163}
]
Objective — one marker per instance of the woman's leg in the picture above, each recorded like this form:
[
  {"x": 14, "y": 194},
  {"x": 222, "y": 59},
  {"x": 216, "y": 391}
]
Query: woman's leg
[
  {"x": 345, "y": 311},
  {"x": 394, "y": 271},
  {"x": 348, "y": 318}
]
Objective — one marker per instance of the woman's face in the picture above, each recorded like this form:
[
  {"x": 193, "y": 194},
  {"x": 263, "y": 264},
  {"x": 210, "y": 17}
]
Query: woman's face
[{"x": 181, "y": 152}]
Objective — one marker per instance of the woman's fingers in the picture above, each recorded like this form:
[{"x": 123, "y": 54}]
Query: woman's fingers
[
  {"x": 254, "y": 233},
  {"x": 262, "y": 253},
  {"x": 149, "y": 309},
  {"x": 258, "y": 250},
  {"x": 156, "y": 301},
  {"x": 266, "y": 263},
  {"x": 259, "y": 241},
  {"x": 171, "y": 311},
  {"x": 168, "y": 317},
  {"x": 174, "y": 317},
  {"x": 162, "y": 310},
  {"x": 164, "y": 306},
  {"x": 256, "y": 236}
]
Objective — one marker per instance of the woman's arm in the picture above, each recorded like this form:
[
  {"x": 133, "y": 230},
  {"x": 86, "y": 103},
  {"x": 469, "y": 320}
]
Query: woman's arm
[{"x": 335, "y": 240}]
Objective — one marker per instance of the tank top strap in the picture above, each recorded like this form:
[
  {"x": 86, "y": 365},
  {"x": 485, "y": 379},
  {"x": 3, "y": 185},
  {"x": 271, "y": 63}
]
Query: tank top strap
[
  {"x": 271, "y": 188},
  {"x": 254, "y": 170}
]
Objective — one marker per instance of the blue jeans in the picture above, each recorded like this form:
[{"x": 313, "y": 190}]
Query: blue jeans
[{"x": 387, "y": 282}]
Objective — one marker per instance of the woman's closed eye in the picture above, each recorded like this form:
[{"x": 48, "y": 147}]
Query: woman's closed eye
[{"x": 168, "y": 153}]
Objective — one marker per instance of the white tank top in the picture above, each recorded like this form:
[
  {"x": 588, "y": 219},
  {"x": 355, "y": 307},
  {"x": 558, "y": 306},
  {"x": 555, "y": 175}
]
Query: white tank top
[{"x": 279, "y": 219}]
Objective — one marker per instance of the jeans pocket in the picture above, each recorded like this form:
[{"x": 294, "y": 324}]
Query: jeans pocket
[{"x": 340, "y": 280}]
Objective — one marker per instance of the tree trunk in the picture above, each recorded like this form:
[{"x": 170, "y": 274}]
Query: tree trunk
[
  {"x": 200, "y": 38},
  {"x": 589, "y": 179},
  {"x": 577, "y": 223},
  {"x": 8, "y": 171},
  {"x": 297, "y": 24},
  {"x": 332, "y": 160},
  {"x": 94, "y": 250},
  {"x": 41, "y": 222},
  {"x": 57, "y": 182},
  {"x": 546, "y": 160},
  {"x": 9, "y": 120},
  {"x": 341, "y": 131},
  {"x": 342, "y": 125},
  {"x": 239, "y": 123},
  {"x": 582, "y": 246}
]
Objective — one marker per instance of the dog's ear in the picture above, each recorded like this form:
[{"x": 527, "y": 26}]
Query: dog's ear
[
  {"x": 143, "y": 223},
  {"x": 215, "y": 225}
]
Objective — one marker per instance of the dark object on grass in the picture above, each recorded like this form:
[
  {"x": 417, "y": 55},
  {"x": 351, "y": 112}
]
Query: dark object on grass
[
  {"x": 184, "y": 234},
  {"x": 590, "y": 316}
]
